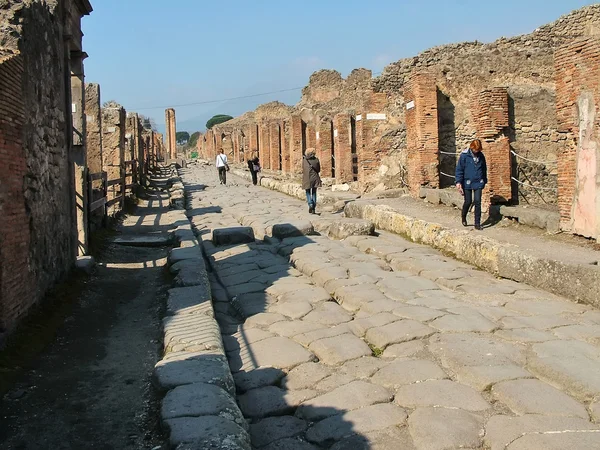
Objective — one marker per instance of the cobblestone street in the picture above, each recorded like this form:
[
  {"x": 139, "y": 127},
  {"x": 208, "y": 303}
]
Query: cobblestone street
[{"x": 387, "y": 340}]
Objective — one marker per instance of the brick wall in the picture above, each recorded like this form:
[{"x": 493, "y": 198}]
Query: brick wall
[
  {"x": 16, "y": 280},
  {"x": 422, "y": 131},
  {"x": 274, "y": 146},
  {"x": 342, "y": 148},
  {"x": 113, "y": 150},
  {"x": 371, "y": 150},
  {"x": 490, "y": 113},
  {"x": 285, "y": 145},
  {"x": 577, "y": 101},
  {"x": 264, "y": 146},
  {"x": 324, "y": 147}
]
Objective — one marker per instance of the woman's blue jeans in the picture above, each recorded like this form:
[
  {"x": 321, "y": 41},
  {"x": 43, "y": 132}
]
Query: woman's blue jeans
[
  {"x": 467, "y": 204},
  {"x": 311, "y": 197}
]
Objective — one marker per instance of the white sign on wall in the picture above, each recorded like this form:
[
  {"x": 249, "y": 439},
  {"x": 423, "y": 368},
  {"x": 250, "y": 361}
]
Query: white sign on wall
[
  {"x": 359, "y": 117},
  {"x": 112, "y": 129},
  {"x": 410, "y": 105},
  {"x": 73, "y": 107},
  {"x": 334, "y": 133},
  {"x": 376, "y": 116},
  {"x": 318, "y": 135}
]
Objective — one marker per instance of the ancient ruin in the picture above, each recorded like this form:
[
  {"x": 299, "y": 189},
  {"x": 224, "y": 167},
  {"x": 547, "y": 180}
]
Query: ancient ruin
[{"x": 406, "y": 127}]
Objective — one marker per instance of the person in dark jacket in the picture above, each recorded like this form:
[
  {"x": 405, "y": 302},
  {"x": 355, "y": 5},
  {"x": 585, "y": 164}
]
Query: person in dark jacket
[
  {"x": 311, "y": 180},
  {"x": 254, "y": 166},
  {"x": 471, "y": 178}
]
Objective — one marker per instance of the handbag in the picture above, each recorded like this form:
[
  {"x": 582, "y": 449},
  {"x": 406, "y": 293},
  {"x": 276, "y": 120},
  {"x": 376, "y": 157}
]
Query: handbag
[
  {"x": 224, "y": 163},
  {"x": 256, "y": 167}
]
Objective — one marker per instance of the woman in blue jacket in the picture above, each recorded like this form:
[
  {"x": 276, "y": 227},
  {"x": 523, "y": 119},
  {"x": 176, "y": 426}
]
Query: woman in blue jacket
[{"x": 471, "y": 178}]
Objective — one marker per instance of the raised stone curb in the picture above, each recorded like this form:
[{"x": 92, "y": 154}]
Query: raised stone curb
[
  {"x": 199, "y": 408},
  {"x": 578, "y": 282}
]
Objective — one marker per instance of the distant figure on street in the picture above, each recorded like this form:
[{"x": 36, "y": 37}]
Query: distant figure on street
[
  {"x": 471, "y": 178},
  {"x": 254, "y": 166},
  {"x": 311, "y": 179},
  {"x": 222, "y": 166}
]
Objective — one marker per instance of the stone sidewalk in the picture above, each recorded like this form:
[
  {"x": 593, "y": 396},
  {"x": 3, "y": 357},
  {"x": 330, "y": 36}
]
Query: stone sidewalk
[
  {"x": 381, "y": 343},
  {"x": 564, "y": 265}
]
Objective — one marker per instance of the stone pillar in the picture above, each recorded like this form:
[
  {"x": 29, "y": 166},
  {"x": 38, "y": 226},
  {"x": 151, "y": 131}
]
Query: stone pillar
[
  {"x": 264, "y": 150},
  {"x": 235, "y": 138},
  {"x": 296, "y": 144},
  {"x": 78, "y": 151},
  {"x": 274, "y": 146},
  {"x": 577, "y": 66},
  {"x": 490, "y": 114},
  {"x": 253, "y": 143},
  {"x": 136, "y": 148},
  {"x": 113, "y": 153},
  {"x": 93, "y": 128},
  {"x": 422, "y": 132},
  {"x": 284, "y": 126},
  {"x": 324, "y": 147},
  {"x": 311, "y": 136},
  {"x": 171, "y": 130},
  {"x": 342, "y": 148}
]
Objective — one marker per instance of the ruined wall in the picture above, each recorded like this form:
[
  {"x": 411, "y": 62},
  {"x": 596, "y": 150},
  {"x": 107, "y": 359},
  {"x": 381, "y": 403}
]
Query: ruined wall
[
  {"x": 93, "y": 127},
  {"x": 38, "y": 186}
]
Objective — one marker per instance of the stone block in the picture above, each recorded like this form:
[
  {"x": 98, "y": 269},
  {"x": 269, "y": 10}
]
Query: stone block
[
  {"x": 343, "y": 228},
  {"x": 210, "y": 369},
  {"x": 273, "y": 429},
  {"x": 441, "y": 393},
  {"x": 292, "y": 229},
  {"x": 338, "y": 349},
  {"x": 441, "y": 428},
  {"x": 404, "y": 372},
  {"x": 207, "y": 432}
]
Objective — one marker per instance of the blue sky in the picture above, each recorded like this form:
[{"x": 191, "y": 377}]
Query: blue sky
[{"x": 150, "y": 54}]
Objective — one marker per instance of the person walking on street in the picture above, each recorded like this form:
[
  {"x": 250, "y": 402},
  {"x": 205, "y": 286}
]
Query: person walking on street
[
  {"x": 254, "y": 166},
  {"x": 471, "y": 178},
  {"x": 311, "y": 180},
  {"x": 222, "y": 166}
]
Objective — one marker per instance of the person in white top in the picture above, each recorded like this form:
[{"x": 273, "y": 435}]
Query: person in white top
[{"x": 222, "y": 166}]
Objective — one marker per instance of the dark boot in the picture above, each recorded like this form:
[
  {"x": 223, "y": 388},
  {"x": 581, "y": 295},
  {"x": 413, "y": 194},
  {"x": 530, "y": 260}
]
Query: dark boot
[
  {"x": 464, "y": 221},
  {"x": 311, "y": 210}
]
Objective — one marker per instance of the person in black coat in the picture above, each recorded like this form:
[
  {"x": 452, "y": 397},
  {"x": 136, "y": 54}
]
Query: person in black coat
[
  {"x": 254, "y": 166},
  {"x": 311, "y": 180},
  {"x": 471, "y": 178}
]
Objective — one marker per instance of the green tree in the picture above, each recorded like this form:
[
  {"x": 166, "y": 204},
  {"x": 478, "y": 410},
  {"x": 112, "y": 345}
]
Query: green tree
[
  {"x": 193, "y": 141},
  {"x": 215, "y": 120},
  {"x": 182, "y": 137}
]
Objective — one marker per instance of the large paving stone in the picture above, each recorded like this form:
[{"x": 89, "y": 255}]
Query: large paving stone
[
  {"x": 353, "y": 298},
  {"x": 545, "y": 306},
  {"x": 464, "y": 323},
  {"x": 334, "y": 381},
  {"x": 251, "y": 303},
  {"x": 291, "y": 229},
  {"x": 440, "y": 393},
  {"x": 179, "y": 254},
  {"x": 278, "y": 352},
  {"x": 232, "y": 235},
  {"x": 294, "y": 327},
  {"x": 483, "y": 377},
  {"x": 458, "y": 350},
  {"x": 418, "y": 313},
  {"x": 574, "y": 366},
  {"x": 308, "y": 338},
  {"x": 310, "y": 294},
  {"x": 379, "y": 305},
  {"x": 328, "y": 313},
  {"x": 387, "y": 439},
  {"x": 542, "y": 322},
  {"x": 577, "y": 439},
  {"x": 363, "y": 367},
  {"x": 214, "y": 369},
  {"x": 360, "y": 326},
  {"x": 199, "y": 399},
  {"x": 343, "y": 228},
  {"x": 502, "y": 430},
  {"x": 241, "y": 278},
  {"x": 245, "y": 288},
  {"x": 264, "y": 319},
  {"x": 305, "y": 375},
  {"x": 293, "y": 310},
  {"x": 526, "y": 335},
  {"x": 401, "y": 331},
  {"x": 536, "y": 397},
  {"x": 273, "y": 429},
  {"x": 590, "y": 333},
  {"x": 365, "y": 420},
  {"x": 332, "y": 286},
  {"x": 269, "y": 401},
  {"x": 338, "y": 349},
  {"x": 257, "y": 378},
  {"x": 404, "y": 350},
  {"x": 244, "y": 337},
  {"x": 444, "y": 429},
  {"x": 207, "y": 432},
  {"x": 290, "y": 444},
  {"x": 403, "y": 288},
  {"x": 355, "y": 395},
  {"x": 289, "y": 285},
  {"x": 408, "y": 371},
  {"x": 326, "y": 274}
]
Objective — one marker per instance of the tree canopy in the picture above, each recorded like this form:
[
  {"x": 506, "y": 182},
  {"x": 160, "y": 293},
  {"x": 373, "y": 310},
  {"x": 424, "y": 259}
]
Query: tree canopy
[
  {"x": 182, "y": 137},
  {"x": 217, "y": 119},
  {"x": 193, "y": 140}
]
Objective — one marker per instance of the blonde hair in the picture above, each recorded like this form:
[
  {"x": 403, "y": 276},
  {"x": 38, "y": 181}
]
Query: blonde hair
[{"x": 475, "y": 145}]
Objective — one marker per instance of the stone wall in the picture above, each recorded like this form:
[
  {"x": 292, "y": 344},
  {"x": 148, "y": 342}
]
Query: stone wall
[{"x": 39, "y": 233}]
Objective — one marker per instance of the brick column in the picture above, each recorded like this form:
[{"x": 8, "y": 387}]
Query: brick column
[
  {"x": 324, "y": 147},
  {"x": 371, "y": 149},
  {"x": 296, "y": 144},
  {"x": 113, "y": 151},
  {"x": 311, "y": 136},
  {"x": 284, "y": 126},
  {"x": 264, "y": 146},
  {"x": 490, "y": 114},
  {"x": 342, "y": 148},
  {"x": 577, "y": 66},
  {"x": 274, "y": 149},
  {"x": 253, "y": 144},
  {"x": 422, "y": 132}
]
